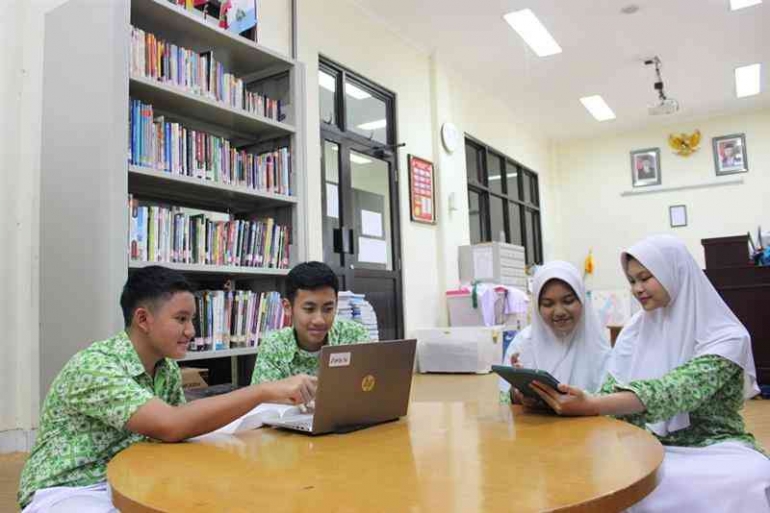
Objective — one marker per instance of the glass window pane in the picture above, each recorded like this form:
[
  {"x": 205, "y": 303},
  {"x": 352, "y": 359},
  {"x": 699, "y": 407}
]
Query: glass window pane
[
  {"x": 535, "y": 189},
  {"x": 475, "y": 217},
  {"x": 366, "y": 115},
  {"x": 497, "y": 218},
  {"x": 512, "y": 178},
  {"x": 527, "y": 186},
  {"x": 530, "y": 236},
  {"x": 495, "y": 172},
  {"x": 370, "y": 183},
  {"x": 331, "y": 202},
  {"x": 538, "y": 239},
  {"x": 327, "y": 106},
  {"x": 474, "y": 167},
  {"x": 514, "y": 223}
]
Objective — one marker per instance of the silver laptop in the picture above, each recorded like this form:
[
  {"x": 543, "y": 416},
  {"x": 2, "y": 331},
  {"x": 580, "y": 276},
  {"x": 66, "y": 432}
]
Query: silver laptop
[{"x": 359, "y": 385}]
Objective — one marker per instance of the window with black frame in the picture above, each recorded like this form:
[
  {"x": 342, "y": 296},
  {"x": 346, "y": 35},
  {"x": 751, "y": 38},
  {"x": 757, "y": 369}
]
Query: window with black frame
[{"x": 503, "y": 200}]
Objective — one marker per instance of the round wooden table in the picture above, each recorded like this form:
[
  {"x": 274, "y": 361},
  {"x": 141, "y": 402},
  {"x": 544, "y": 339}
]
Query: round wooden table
[{"x": 444, "y": 457}]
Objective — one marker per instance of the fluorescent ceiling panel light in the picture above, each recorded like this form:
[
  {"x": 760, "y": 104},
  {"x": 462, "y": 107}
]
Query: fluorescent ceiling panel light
[
  {"x": 741, "y": 4},
  {"x": 355, "y": 92},
  {"x": 374, "y": 125},
  {"x": 534, "y": 33},
  {"x": 359, "y": 160},
  {"x": 327, "y": 82},
  {"x": 598, "y": 108},
  {"x": 497, "y": 177},
  {"x": 747, "y": 80}
]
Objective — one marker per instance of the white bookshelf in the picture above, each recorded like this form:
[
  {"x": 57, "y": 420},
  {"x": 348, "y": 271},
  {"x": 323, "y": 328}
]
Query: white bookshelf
[
  {"x": 223, "y": 353},
  {"x": 230, "y": 270},
  {"x": 230, "y": 120},
  {"x": 86, "y": 177}
]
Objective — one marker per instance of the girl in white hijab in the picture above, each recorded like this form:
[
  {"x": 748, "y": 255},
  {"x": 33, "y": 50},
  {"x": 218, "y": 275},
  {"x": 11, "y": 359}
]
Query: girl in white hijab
[
  {"x": 565, "y": 337},
  {"x": 682, "y": 368}
]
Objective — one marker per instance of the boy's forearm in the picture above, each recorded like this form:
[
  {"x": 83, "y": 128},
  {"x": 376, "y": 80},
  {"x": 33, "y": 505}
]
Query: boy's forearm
[{"x": 205, "y": 415}]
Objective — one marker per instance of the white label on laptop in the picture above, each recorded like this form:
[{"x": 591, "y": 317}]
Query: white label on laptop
[{"x": 339, "y": 359}]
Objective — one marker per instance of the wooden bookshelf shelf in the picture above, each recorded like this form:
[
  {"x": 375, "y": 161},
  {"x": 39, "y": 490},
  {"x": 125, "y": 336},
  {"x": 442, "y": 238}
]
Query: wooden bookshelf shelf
[
  {"x": 236, "y": 122},
  {"x": 238, "y": 54},
  {"x": 230, "y": 270},
  {"x": 205, "y": 355},
  {"x": 148, "y": 181}
]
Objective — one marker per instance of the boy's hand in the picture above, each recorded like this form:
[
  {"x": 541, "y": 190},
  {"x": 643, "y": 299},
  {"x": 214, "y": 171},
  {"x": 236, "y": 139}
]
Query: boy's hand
[
  {"x": 299, "y": 389},
  {"x": 515, "y": 361}
]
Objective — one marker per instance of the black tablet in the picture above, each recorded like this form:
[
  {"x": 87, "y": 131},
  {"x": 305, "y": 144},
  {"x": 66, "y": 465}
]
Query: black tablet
[{"x": 521, "y": 378}]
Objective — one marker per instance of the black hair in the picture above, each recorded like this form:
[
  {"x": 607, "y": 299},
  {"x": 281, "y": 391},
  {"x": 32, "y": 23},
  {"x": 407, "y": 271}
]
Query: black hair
[
  {"x": 150, "y": 284},
  {"x": 310, "y": 276}
]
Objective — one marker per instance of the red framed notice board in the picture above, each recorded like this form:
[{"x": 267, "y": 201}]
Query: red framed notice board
[{"x": 422, "y": 190}]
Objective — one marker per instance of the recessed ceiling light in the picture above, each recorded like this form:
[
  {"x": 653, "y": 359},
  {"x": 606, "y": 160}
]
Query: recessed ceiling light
[
  {"x": 741, "y": 4},
  {"x": 534, "y": 33},
  {"x": 747, "y": 80},
  {"x": 355, "y": 92},
  {"x": 329, "y": 83},
  {"x": 373, "y": 125},
  {"x": 598, "y": 108},
  {"x": 356, "y": 159}
]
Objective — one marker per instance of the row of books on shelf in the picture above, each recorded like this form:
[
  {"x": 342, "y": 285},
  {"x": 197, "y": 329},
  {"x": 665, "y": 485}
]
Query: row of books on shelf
[
  {"x": 162, "y": 233},
  {"x": 230, "y": 319},
  {"x": 158, "y": 143},
  {"x": 196, "y": 73}
]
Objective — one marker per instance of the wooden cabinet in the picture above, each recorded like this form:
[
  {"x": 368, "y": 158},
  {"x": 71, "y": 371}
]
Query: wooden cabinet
[{"x": 746, "y": 290}]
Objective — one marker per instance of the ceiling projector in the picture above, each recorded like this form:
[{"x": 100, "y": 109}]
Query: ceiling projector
[{"x": 665, "y": 104}]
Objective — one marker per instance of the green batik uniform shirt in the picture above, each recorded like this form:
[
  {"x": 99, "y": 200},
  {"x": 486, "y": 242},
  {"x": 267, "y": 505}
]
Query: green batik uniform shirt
[
  {"x": 709, "y": 388},
  {"x": 280, "y": 356},
  {"x": 82, "y": 425}
]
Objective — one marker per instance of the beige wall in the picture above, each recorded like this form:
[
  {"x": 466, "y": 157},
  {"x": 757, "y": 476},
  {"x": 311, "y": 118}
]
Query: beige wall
[
  {"x": 592, "y": 174},
  {"x": 428, "y": 94}
]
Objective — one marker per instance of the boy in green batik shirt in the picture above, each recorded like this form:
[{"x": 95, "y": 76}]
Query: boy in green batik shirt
[
  {"x": 127, "y": 389},
  {"x": 311, "y": 301}
]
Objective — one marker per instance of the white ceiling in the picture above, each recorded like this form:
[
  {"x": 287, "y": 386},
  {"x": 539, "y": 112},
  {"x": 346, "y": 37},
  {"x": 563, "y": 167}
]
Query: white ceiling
[{"x": 700, "y": 42}]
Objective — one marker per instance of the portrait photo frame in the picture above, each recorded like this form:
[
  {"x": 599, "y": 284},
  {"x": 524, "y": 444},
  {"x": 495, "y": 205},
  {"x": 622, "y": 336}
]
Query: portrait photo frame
[
  {"x": 730, "y": 154},
  {"x": 645, "y": 167}
]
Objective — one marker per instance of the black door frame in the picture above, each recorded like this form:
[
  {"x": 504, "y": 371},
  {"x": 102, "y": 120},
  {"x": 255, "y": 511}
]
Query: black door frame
[{"x": 347, "y": 141}]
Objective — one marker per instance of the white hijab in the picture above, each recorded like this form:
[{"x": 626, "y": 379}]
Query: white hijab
[
  {"x": 579, "y": 359},
  {"x": 696, "y": 322}
]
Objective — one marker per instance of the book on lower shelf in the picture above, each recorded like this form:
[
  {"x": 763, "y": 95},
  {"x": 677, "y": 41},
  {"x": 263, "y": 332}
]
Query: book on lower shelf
[
  {"x": 229, "y": 319},
  {"x": 166, "y": 233},
  {"x": 251, "y": 420}
]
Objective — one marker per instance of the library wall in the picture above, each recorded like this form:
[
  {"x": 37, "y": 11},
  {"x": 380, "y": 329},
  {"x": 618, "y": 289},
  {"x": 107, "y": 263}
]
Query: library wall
[
  {"x": 428, "y": 93},
  {"x": 711, "y": 212}
]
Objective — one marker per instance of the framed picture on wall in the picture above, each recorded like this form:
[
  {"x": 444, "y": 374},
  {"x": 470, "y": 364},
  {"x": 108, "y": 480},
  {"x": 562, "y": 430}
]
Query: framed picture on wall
[
  {"x": 730, "y": 154},
  {"x": 677, "y": 216},
  {"x": 645, "y": 167},
  {"x": 422, "y": 190}
]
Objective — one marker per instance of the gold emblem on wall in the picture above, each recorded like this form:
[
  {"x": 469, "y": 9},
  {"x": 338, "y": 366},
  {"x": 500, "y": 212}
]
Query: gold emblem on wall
[{"x": 684, "y": 144}]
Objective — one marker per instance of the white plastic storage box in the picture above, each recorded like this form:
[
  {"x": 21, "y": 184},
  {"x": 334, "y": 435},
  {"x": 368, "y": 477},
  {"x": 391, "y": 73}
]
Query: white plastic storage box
[
  {"x": 466, "y": 349},
  {"x": 461, "y": 311}
]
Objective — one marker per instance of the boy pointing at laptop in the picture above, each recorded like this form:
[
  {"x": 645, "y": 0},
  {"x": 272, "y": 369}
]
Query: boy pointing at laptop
[
  {"x": 127, "y": 389},
  {"x": 311, "y": 302}
]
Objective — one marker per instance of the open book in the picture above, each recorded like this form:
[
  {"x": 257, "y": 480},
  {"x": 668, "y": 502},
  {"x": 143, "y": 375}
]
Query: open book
[{"x": 253, "y": 419}]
